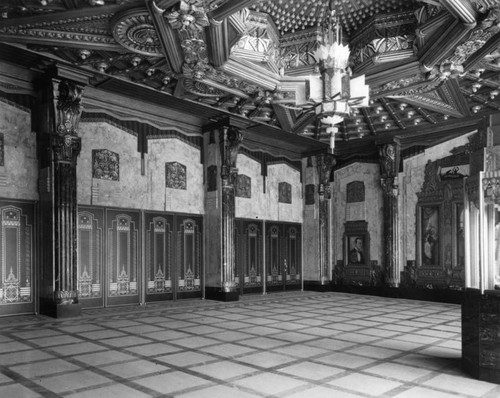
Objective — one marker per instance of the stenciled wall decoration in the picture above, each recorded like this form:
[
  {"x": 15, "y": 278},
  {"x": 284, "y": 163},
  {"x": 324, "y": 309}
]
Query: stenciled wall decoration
[
  {"x": 243, "y": 186},
  {"x": 284, "y": 192},
  {"x": 105, "y": 165},
  {"x": 175, "y": 175}
]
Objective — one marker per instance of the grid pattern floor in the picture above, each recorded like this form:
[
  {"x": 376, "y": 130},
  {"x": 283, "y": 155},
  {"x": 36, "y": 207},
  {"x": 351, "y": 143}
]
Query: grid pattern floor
[{"x": 285, "y": 345}]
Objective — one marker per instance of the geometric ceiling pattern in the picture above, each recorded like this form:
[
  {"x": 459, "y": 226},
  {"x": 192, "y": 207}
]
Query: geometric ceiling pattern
[{"x": 430, "y": 64}]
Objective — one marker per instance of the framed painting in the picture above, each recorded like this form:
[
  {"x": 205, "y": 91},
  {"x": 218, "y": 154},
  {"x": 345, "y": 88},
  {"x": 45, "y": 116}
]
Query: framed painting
[
  {"x": 428, "y": 235},
  {"x": 356, "y": 249}
]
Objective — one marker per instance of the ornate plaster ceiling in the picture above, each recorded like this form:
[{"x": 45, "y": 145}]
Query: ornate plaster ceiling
[{"x": 430, "y": 64}]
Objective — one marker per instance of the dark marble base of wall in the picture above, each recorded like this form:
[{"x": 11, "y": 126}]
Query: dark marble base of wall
[
  {"x": 436, "y": 295},
  {"x": 316, "y": 286},
  {"x": 481, "y": 334},
  {"x": 49, "y": 308},
  {"x": 215, "y": 293}
]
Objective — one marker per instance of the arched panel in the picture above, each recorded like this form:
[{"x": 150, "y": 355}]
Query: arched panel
[
  {"x": 90, "y": 255},
  {"x": 16, "y": 258}
]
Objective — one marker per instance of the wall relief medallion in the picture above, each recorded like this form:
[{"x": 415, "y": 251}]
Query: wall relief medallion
[
  {"x": 175, "y": 175},
  {"x": 284, "y": 192},
  {"x": 355, "y": 192},
  {"x": 105, "y": 165},
  {"x": 243, "y": 186}
]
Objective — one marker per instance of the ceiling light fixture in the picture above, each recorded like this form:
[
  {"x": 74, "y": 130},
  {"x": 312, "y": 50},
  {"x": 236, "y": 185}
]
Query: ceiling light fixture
[{"x": 335, "y": 93}]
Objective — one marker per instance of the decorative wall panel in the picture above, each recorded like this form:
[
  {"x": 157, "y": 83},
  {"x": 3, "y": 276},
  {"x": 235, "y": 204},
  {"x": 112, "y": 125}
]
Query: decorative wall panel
[
  {"x": 159, "y": 254},
  {"x": 105, "y": 165},
  {"x": 122, "y": 254},
  {"x": 16, "y": 257},
  {"x": 175, "y": 175},
  {"x": 188, "y": 254},
  {"x": 249, "y": 254},
  {"x": 90, "y": 251},
  {"x": 283, "y": 256}
]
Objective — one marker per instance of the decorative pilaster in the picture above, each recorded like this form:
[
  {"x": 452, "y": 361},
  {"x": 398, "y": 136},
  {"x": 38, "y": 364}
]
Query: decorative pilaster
[
  {"x": 389, "y": 164},
  {"x": 58, "y": 201},
  {"x": 229, "y": 141},
  {"x": 325, "y": 164}
]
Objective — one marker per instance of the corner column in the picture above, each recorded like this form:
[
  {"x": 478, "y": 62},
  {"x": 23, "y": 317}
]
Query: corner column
[
  {"x": 59, "y": 146},
  {"x": 389, "y": 165}
]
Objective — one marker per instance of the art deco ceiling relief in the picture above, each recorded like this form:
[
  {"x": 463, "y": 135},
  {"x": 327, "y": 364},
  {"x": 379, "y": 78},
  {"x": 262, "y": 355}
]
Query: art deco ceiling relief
[{"x": 427, "y": 62}]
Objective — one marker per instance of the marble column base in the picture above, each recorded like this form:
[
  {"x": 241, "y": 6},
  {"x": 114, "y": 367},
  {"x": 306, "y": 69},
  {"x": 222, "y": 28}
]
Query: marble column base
[
  {"x": 480, "y": 334},
  {"x": 49, "y": 308},
  {"x": 215, "y": 293}
]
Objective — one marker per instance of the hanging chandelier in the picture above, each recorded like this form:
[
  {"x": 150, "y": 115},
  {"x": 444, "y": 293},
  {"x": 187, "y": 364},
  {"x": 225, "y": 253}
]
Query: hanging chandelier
[{"x": 334, "y": 92}]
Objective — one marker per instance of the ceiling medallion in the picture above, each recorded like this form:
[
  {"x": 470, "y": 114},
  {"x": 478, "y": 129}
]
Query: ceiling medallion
[{"x": 134, "y": 30}]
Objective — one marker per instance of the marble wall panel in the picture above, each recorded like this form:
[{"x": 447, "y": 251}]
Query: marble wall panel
[
  {"x": 256, "y": 206},
  {"x": 369, "y": 174},
  {"x": 161, "y": 197},
  {"x": 19, "y": 172},
  {"x": 278, "y": 211},
  {"x": 131, "y": 190}
]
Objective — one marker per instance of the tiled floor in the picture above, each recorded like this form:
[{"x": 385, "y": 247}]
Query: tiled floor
[{"x": 286, "y": 345}]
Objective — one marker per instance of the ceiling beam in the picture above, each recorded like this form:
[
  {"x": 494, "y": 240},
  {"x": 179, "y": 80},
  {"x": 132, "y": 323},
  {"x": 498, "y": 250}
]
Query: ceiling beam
[
  {"x": 451, "y": 91},
  {"x": 461, "y": 10},
  {"x": 169, "y": 40},
  {"x": 491, "y": 45},
  {"x": 442, "y": 42}
]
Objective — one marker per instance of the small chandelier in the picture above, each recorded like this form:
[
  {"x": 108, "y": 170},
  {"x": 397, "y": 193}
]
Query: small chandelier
[{"x": 334, "y": 92}]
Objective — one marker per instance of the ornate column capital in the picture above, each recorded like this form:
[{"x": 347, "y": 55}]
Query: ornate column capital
[{"x": 68, "y": 107}]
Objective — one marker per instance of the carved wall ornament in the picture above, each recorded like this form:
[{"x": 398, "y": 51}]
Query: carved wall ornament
[
  {"x": 243, "y": 187},
  {"x": 105, "y": 165},
  {"x": 284, "y": 192},
  {"x": 66, "y": 148},
  {"x": 134, "y": 30},
  {"x": 388, "y": 164},
  {"x": 175, "y": 175},
  {"x": 68, "y": 107},
  {"x": 355, "y": 192}
]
